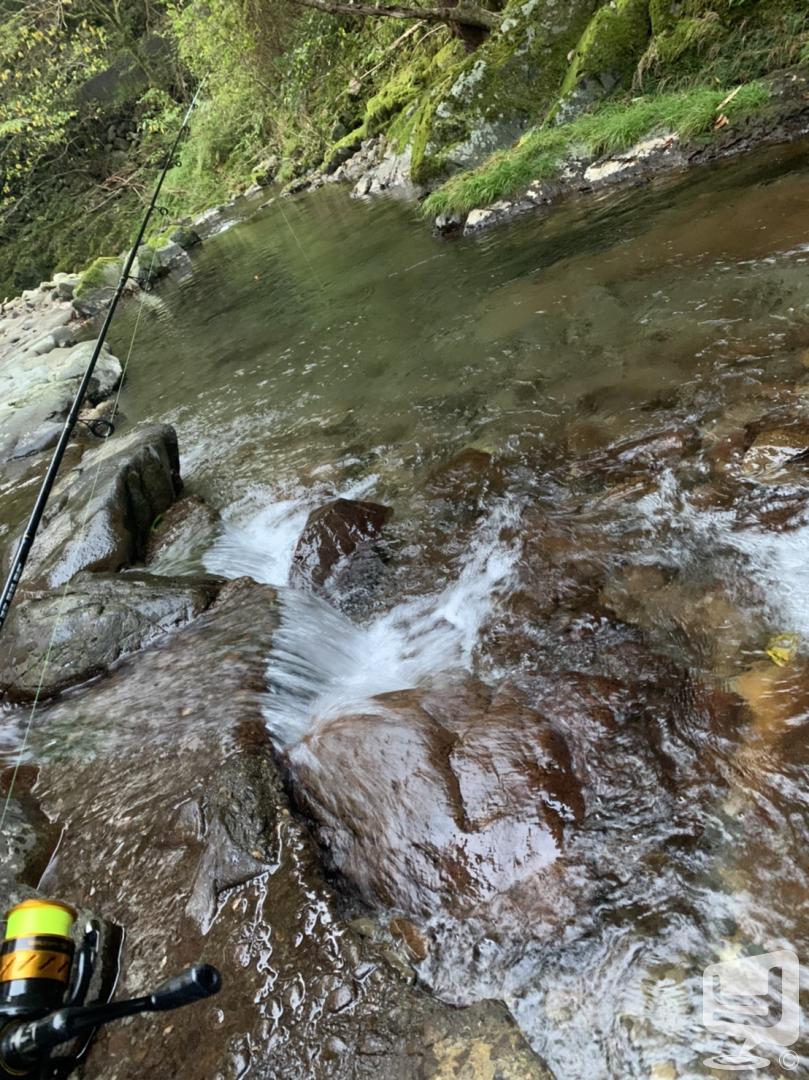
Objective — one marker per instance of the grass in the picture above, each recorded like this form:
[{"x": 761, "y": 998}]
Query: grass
[{"x": 541, "y": 153}]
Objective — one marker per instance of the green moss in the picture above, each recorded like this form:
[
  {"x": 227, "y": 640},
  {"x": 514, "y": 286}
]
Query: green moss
[
  {"x": 661, "y": 14},
  {"x": 612, "y": 44},
  {"x": 725, "y": 41},
  {"x": 688, "y": 35},
  {"x": 612, "y": 128},
  {"x": 101, "y": 273}
]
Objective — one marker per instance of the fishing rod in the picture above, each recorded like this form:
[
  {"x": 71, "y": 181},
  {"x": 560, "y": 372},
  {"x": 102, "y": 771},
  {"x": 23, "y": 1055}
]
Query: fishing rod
[
  {"x": 26, "y": 543},
  {"x": 56, "y": 984}
]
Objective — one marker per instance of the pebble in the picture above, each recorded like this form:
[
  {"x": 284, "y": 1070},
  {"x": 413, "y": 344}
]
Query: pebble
[{"x": 339, "y": 1000}]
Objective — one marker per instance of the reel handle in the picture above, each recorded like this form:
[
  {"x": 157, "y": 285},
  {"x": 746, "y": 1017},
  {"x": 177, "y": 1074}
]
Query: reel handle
[{"x": 25, "y": 1044}]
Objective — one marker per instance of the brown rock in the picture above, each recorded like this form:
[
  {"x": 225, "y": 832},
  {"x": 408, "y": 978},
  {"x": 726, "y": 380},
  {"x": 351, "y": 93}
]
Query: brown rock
[
  {"x": 179, "y": 535},
  {"x": 466, "y": 479},
  {"x": 174, "y": 824},
  {"x": 415, "y": 942},
  {"x": 334, "y": 532},
  {"x": 437, "y": 786},
  {"x": 637, "y": 457},
  {"x": 775, "y": 448},
  {"x": 703, "y": 622}
]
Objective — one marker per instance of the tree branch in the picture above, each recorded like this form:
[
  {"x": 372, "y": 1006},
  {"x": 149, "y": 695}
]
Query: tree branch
[{"x": 465, "y": 15}]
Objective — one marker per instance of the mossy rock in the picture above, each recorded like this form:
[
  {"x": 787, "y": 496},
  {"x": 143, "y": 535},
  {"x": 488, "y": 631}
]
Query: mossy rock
[
  {"x": 486, "y": 100},
  {"x": 102, "y": 273},
  {"x": 610, "y": 48}
]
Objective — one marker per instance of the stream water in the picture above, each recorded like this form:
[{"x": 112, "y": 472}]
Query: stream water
[{"x": 326, "y": 347}]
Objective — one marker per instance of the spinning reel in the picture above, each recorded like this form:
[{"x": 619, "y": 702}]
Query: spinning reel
[{"x": 44, "y": 984}]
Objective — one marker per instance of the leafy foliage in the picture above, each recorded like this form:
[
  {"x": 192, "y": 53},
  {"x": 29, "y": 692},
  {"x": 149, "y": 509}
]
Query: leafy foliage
[{"x": 46, "y": 55}]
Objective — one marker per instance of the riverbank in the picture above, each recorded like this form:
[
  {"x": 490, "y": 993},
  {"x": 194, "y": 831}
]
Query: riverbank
[
  {"x": 466, "y": 119},
  {"x": 628, "y": 142}
]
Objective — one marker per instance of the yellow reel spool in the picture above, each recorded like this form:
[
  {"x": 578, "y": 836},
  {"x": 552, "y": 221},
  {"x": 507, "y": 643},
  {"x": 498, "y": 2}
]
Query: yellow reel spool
[{"x": 38, "y": 944}]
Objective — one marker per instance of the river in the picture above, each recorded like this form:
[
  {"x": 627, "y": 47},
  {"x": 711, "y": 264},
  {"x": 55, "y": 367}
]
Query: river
[{"x": 606, "y": 360}]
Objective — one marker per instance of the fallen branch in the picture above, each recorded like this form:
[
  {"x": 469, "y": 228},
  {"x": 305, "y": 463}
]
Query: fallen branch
[{"x": 463, "y": 15}]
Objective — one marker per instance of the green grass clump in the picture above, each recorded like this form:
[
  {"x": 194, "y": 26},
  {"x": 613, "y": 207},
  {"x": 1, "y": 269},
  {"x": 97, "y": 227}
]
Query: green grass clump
[{"x": 610, "y": 129}]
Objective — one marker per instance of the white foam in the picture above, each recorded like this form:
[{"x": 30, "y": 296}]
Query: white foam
[
  {"x": 262, "y": 545},
  {"x": 322, "y": 663}
]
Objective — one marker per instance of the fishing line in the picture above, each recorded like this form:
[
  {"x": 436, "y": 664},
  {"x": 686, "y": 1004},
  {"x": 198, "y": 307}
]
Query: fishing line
[
  {"x": 24, "y": 547},
  {"x": 288, "y": 224}
]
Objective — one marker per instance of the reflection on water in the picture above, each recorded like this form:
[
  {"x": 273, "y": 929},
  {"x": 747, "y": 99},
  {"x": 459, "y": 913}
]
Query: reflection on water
[{"x": 336, "y": 349}]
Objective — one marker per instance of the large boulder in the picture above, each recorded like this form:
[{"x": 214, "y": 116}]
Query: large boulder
[
  {"x": 100, "y": 515},
  {"x": 55, "y": 639},
  {"x": 36, "y": 391},
  {"x": 418, "y": 794},
  {"x": 333, "y": 534}
]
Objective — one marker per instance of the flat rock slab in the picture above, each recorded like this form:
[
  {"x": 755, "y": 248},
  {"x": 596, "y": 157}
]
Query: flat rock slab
[
  {"x": 89, "y": 625},
  {"x": 100, "y": 515}
]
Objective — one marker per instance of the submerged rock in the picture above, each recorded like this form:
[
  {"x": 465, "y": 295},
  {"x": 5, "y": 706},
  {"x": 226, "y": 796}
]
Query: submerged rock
[
  {"x": 631, "y": 458},
  {"x": 466, "y": 479},
  {"x": 333, "y": 533},
  {"x": 701, "y": 620},
  {"x": 418, "y": 795},
  {"x": 100, "y": 515},
  {"x": 775, "y": 454},
  {"x": 83, "y": 629}
]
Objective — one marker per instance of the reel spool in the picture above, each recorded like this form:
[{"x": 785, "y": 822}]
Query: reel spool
[{"x": 45, "y": 981}]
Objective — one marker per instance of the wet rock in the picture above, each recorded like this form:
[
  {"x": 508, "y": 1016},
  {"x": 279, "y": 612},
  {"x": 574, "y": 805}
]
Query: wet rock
[
  {"x": 772, "y": 507},
  {"x": 773, "y": 451},
  {"x": 178, "y": 538},
  {"x": 466, "y": 479},
  {"x": 100, "y": 515},
  {"x": 185, "y": 237},
  {"x": 171, "y": 805},
  {"x": 415, "y": 942},
  {"x": 100, "y": 617},
  {"x": 448, "y": 224},
  {"x": 483, "y": 1048},
  {"x": 445, "y": 756},
  {"x": 561, "y": 569},
  {"x": 152, "y": 263},
  {"x": 775, "y": 695},
  {"x": 333, "y": 533},
  {"x": 634, "y": 457},
  {"x": 36, "y": 392},
  {"x": 28, "y": 837}
]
